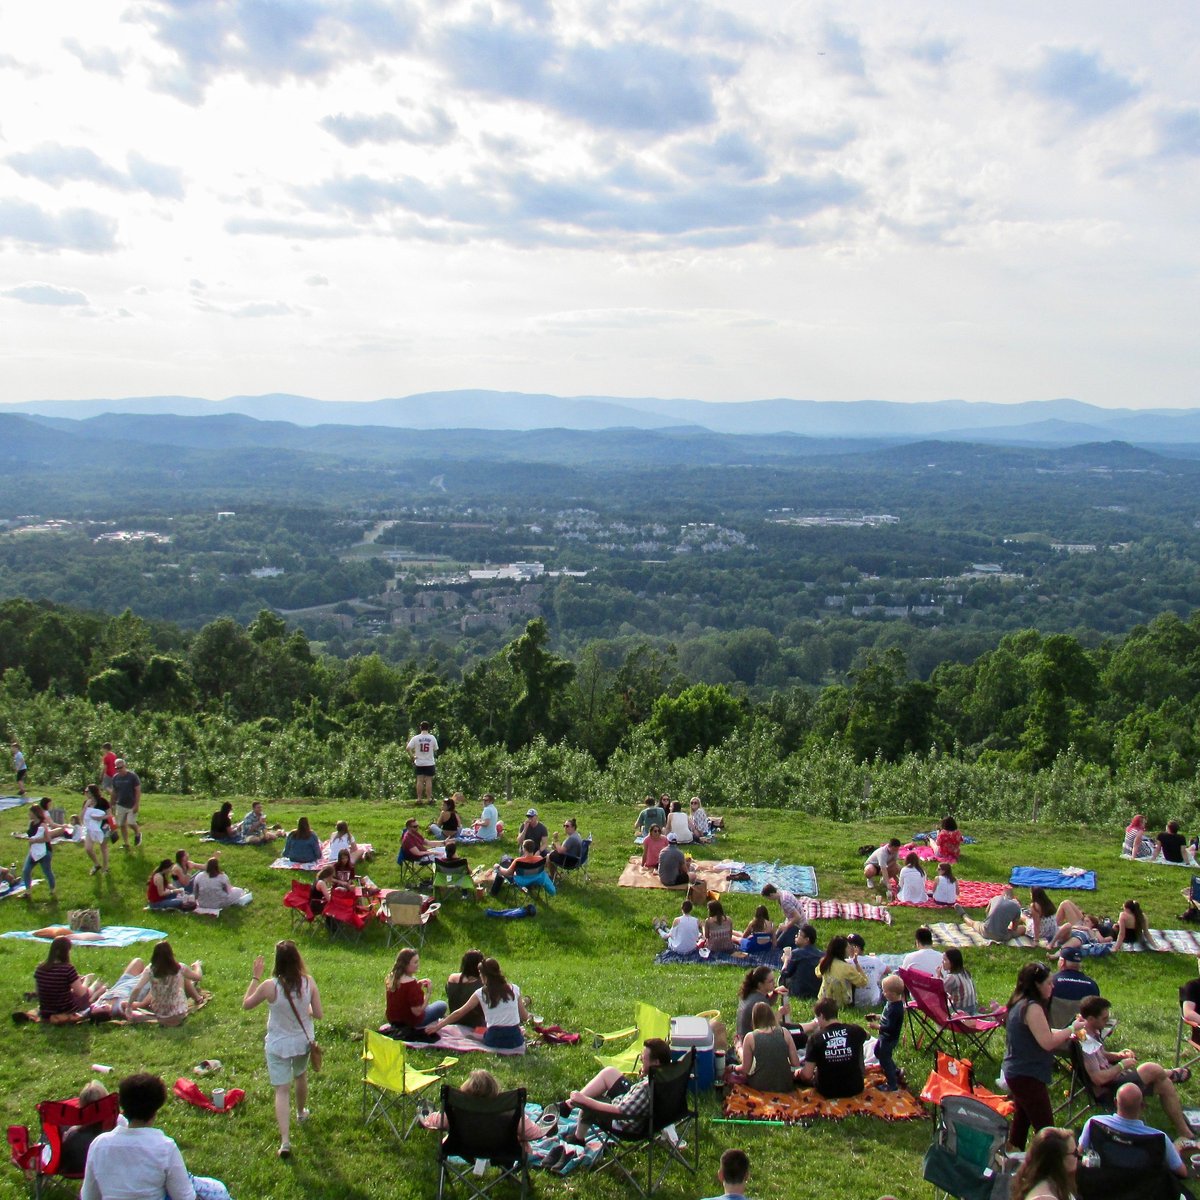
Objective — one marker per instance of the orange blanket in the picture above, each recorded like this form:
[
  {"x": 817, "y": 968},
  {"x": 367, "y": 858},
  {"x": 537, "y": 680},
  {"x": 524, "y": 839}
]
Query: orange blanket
[{"x": 808, "y": 1104}]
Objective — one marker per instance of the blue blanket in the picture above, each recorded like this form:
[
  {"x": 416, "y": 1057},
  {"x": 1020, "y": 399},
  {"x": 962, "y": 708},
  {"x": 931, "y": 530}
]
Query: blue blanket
[
  {"x": 754, "y": 958},
  {"x": 931, "y": 837},
  {"x": 1052, "y": 880},
  {"x": 800, "y": 881},
  {"x": 110, "y": 935}
]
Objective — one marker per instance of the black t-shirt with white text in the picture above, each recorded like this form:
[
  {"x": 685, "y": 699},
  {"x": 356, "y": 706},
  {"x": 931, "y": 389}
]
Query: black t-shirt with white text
[{"x": 837, "y": 1052}]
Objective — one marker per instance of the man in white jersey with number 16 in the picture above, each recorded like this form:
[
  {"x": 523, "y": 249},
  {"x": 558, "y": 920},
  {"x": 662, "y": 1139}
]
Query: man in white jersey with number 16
[{"x": 423, "y": 748}]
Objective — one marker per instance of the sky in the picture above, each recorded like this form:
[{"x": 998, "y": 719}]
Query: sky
[{"x": 353, "y": 199}]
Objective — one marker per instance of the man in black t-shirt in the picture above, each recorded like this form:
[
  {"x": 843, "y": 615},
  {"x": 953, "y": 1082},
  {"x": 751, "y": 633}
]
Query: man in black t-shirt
[
  {"x": 833, "y": 1055},
  {"x": 1171, "y": 843}
]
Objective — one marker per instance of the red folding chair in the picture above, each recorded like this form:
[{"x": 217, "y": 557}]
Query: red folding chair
[
  {"x": 43, "y": 1160},
  {"x": 298, "y": 901},
  {"x": 344, "y": 915},
  {"x": 929, "y": 1017}
]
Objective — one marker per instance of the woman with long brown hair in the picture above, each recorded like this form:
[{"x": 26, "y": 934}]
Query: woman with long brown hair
[
  {"x": 502, "y": 1005},
  {"x": 838, "y": 977},
  {"x": 463, "y": 983},
  {"x": 294, "y": 1003},
  {"x": 1048, "y": 1172},
  {"x": 170, "y": 984},
  {"x": 409, "y": 1009}
]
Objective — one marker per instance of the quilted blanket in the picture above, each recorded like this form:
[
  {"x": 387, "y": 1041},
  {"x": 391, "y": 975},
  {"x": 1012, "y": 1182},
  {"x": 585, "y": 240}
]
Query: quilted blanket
[{"x": 807, "y": 1104}]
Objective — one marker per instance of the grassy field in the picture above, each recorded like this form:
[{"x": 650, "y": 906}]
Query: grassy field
[{"x": 584, "y": 961}]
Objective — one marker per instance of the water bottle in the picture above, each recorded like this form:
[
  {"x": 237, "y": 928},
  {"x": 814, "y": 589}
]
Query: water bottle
[{"x": 719, "y": 1068}]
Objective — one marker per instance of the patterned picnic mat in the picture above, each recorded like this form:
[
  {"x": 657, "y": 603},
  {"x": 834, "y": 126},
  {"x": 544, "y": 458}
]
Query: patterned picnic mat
[
  {"x": 971, "y": 894},
  {"x": 454, "y": 1040},
  {"x": 842, "y": 910},
  {"x": 1179, "y": 941},
  {"x": 769, "y": 957},
  {"x": 286, "y": 864},
  {"x": 637, "y": 876},
  {"x": 800, "y": 881},
  {"x": 807, "y": 1104}
]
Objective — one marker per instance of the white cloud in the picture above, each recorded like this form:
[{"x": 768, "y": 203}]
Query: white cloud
[{"x": 45, "y": 293}]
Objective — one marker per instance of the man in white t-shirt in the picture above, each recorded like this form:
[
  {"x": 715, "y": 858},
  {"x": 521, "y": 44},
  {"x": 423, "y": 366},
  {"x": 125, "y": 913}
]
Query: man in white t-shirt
[
  {"x": 924, "y": 957},
  {"x": 873, "y": 968},
  {"x": 883, "y": 867},
  {"x": 423, "y": 747}
]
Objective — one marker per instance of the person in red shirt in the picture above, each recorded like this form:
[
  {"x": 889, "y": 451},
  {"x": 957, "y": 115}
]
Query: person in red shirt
[
  {"x": 409, "y": 1009},
  {"x": 413, "y": 846}
]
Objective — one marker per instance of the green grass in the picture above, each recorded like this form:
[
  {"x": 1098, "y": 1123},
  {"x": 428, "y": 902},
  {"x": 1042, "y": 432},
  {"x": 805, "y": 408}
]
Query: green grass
[{"x": 583, "y": 961}]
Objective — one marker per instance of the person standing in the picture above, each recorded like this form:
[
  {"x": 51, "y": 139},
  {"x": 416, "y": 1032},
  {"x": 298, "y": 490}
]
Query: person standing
[
  {"x": 20, "y": 767},
  {"x": 40, "y": 833},
  {"x": 293, "y": 1004},
  {"x": 423, "y": 747},
  {"x": 95, "y": 828},
  {"x": 108, "y": 768},
  {"x": 127, "y": 797}
]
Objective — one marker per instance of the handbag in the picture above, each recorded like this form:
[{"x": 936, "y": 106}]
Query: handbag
[
  {"x": 315, "y": 1053},
  {"x": 84, "y": 920}
]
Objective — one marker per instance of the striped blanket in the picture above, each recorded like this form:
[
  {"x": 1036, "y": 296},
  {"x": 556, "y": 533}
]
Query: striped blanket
[
  {"x": 286, "y": 864},
  {"x": 1178, "y": 941}
]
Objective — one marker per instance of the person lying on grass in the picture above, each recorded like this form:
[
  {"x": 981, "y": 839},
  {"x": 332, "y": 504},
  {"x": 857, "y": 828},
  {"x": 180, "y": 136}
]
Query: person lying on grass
[{"x": 1109, "y": 1070}]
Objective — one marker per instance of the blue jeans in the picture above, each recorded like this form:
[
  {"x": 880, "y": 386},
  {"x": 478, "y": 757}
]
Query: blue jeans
[
  {"x": 434, "y": 1012},
  {"x": 787, "y": 937},
  {"x": 884, "y": 1048},
  {"x": 44, "y": 863},
  {"x": 504, "y": 1037},
  {"x": 167, "y": 903}
]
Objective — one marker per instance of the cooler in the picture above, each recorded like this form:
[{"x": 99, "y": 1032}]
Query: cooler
[{"x": 693, "y": 1033}]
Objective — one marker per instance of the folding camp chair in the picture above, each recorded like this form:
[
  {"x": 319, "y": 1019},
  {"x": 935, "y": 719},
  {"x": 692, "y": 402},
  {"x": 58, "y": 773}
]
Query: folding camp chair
[
  {"x": 1082, "y": 1094},
  {"x": 966, "y": 1157},
  {"x": 42, "y": 1161},
  {"x": 414, "y": 872},
  {"x": 297, "y": 900},
  {"x": 929, "y": 1017},
  {"x": 673, "y": 1115},
  {"x": 649, "y": 1022},
  {"x": 580, "y": 869},
  {"x": 401, "y": 913},
  {"x": 343, "y": 916},
  {"x": 487, "y": 1131},
  {"x": 1132, "y": 1166},
  {"x": 1187, "y": 1037},
  {"x": 391, "y": 1080},
  {"x": 457, "y": 879}
]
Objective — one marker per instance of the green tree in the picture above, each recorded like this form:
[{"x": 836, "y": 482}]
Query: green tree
[
  {"x": 700, "y": 717},
  {"x": 542, "y": 679}
]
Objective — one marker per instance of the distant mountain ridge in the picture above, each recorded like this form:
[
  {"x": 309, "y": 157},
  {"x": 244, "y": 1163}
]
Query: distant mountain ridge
[{"x": 1034, "y": 422}]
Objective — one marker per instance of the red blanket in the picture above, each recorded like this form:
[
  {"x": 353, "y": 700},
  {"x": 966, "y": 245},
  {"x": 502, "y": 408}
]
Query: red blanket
[
  {"x": 188, "y": 1090},
  {"x": 971, "y": 894}
]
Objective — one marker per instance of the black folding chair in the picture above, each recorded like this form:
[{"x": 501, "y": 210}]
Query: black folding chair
[
  {"x": 672, "y": 1114},
  {"x": 1187, "y": 1037},
  {"x": 1132, "y": 1166},
  {"x": 486, "y": 1131},
  {"x": 1082, "y": 1094}
]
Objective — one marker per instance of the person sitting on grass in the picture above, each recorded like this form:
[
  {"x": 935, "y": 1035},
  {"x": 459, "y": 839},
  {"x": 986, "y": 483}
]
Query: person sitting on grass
[
  {"x": 464, "y": 983},
  {"x": 409, "y": 1009},
  {"x": 487, "y": 827},
  {"x": 912, "y": 882},
  {"x": 889, "y": 1025},
  {"x": 799, "y": 974},
  {"x": 769, "y": 1058},
  {"x": 1003, "y": 920},
  {"x": 672, "y": 864},
  {"x": 1132, "y": 927},
  {"x": 342, "y": 839},
  {"x": 1041, "y": 923},
  {"x": 698, "y": 821},
  {"x": 625, "y": 1105},
  {"x": 652, "y": 813},
  {"x": 61, "y": 990},
  {"x": 139, "y": 1162},
  {"x": 161, "y": 894},
  {"x": 302, "y": 845},
  {"x": 1110, "y": 1070},
  {"x": 758, "y": 986},
  {"x": 945, "y": 886},
  {"x": 759, "y": 934},
  {"x": 677, "y": 824},
  {"x": 211, "y": 889},
  {"x": 653, "y": 847},
  {"x": 948, "y": 845},
  {"x": 839, "y": 977},
  {"x": 483, "y": 1085},
  {"x": 683, "y": 937},
  {"x": 184, "y": 871},
  {"x": 1136, "y": 844},
  {"x": 223, "y": 828},
  {"x": 718, "y": 929},
  {"x": 503, "y": 1008},
  {"x": 171, "y": 985},
  {"x": 1173, "y": 847},
  {"x": 833, "y": 1054},
  {"x": 448, "y": 821},
  {"x": 254, "y": 827}
]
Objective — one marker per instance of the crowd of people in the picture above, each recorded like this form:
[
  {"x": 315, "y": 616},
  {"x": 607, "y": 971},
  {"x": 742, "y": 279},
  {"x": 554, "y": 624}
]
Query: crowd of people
[{"x": 770, "y": 1050}]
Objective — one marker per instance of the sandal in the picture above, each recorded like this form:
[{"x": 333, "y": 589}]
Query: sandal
[{"x": 285, "y": 1150}]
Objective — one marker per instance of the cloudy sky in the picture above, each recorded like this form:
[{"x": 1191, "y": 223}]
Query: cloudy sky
[{"x": 361, "y": 198}]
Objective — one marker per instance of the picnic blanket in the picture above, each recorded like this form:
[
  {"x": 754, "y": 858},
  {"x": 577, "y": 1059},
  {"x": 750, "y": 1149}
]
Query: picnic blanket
[
  {"x": 551, "y": 1152},
  {"x": 800, "y": 881},
  {"x": 1178, "y": 941},
  {"x": 7, "y": 802},
  {"x": 109, "y": 935},
  {"x": 971, "y": 894},
  {"x": 8, "y": 890},
  {"x": 842, "y": 910},
  {"x": 1157, "y": 860},
  {"x": 454, "y": 1040},
  {"x": 637, "y": 876},
  {"x": 931, "y": 836},
  {"x": 1052, "y": 880},
  {"x": 286, "y": 864},
  {"x": 768, "y": 957},
  {"x": 744, "y": 1103},
  {"x": 241, "y": 902}
]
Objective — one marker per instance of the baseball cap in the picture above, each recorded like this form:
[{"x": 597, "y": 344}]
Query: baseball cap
[
  {"x": 1070, "y": 954},
  {"x": 672, "y": 838},
  {"x": 531, "y": 812}
]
